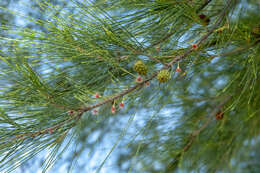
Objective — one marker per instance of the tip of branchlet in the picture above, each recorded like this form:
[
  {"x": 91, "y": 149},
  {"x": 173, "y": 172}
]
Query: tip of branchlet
[
  {"x": 122, "y": 105},
  {"x": 178, "y": 69},
  {"x": 50, "y": 131},
  {"x": 97, "y": 95},
  {"x": 70, "y": 112},
  {"x": 139, "y": 79},
  {"x": 95, "y": 112},
  {"x": 194, "y": 46},
  {"x": 113, "y": 109}
]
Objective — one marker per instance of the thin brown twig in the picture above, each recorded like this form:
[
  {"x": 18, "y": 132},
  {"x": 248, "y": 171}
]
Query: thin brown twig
[
  {"x": 49, "y": 130},
  {"x": 123, "y": 93},
  {"x": 195, "y": 133},
  {"x": 210, "y": 118}
]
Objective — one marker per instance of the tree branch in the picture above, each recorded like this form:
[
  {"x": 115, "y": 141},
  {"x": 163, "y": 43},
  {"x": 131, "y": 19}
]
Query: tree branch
[
  {"x": 80, "y": 111},
  {"x": 195, "y": 133}
]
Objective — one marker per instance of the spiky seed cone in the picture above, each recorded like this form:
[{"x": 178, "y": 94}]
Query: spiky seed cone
[
  {"x": 163, "y": 76},
  {"x": 140, "y": 68}
]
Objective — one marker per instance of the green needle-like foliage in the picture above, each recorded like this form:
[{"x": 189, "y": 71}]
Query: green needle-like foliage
[{"x": 69, "y": 83}]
